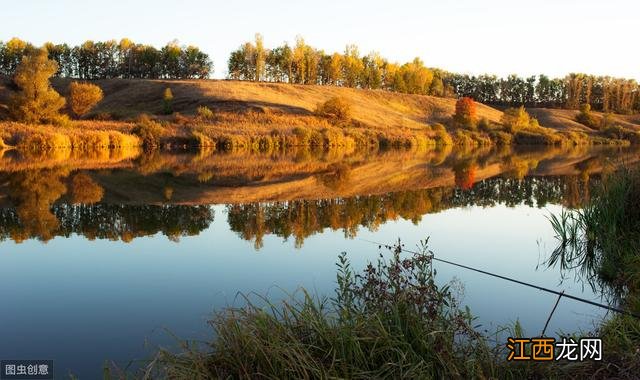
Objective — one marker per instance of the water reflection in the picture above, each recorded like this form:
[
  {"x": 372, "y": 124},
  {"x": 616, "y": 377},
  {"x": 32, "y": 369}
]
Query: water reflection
[
  {"x": 292, "y": 194},
  {"x": 302, "y": 218}
]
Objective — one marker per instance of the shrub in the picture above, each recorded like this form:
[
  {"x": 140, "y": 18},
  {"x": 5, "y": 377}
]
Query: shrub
[
  {"x": 43, "y": 140},
  {"x": 540, "y": 137},
  {"x": 121, "y": 140},
  {"x": 515, "y": 119},
  {"x": 83, "y": 97},
  {"x": 149, "y": 131},
  {"x": 470, "y": 138},
  {"x": 90, "y": 139},
  {"x": 586, "y": 117},
  {"x": 465, "y": 115},
  {"x": 336, "y": 108},
  {"x": 204, "y": 113},
  {"x": 621, "y": 133},
  {"x": 61, "y": 121},
  {"x": 501, "y": 138},
  {"x": 167, "y": 101},
  {"x": 484, "y": 125}
]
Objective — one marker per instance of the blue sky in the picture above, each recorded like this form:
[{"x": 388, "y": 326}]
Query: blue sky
[{"x": 495, "y": 36}]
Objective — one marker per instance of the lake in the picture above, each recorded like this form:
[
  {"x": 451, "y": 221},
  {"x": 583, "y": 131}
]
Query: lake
[{"x": 108, "y": 255}]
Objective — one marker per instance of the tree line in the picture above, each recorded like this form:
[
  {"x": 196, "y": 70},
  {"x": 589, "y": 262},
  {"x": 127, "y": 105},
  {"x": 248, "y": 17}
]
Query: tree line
[
  {"x": 304, "y": 64},
  {"x": 112, "y": 59},
  {"x": 602, "y": 93}
]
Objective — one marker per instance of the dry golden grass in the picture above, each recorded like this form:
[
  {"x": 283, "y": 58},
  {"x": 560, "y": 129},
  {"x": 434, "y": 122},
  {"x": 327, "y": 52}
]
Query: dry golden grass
[
  {"x": 565, "y": 120},
  {"x": 78, "y": 136},
  {"x": 376, "y": 108}
]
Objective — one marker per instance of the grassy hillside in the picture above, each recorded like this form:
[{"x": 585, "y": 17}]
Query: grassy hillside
[
  {"x": 562, "y": 119},
  {"x": 127, "y": 98}
]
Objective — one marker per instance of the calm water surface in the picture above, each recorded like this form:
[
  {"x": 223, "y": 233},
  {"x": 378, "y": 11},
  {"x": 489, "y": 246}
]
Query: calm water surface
[{"x": 104, "y": 256}]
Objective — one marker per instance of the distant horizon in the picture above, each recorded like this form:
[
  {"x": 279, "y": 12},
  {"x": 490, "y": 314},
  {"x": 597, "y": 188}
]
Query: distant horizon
[{"x": 499, "y": 37}]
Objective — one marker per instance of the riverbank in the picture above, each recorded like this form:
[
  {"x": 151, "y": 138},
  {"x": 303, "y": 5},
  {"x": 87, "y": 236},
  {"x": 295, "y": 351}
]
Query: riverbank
[{"x": 228, "y": 115}]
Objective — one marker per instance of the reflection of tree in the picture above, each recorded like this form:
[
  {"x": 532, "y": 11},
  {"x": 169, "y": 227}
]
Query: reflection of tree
[
  {"x": 126, "y": 222},
  {"x": 113, "y": 222},
  {"x": 517, "y": 167},
  {"x": 336, "y": 177},
  {"x": 303, "y": 218},
  {"x": 33, "y": 192},
  {"x": 85, "y": 190},
  {"x": 465, "y": 174}
]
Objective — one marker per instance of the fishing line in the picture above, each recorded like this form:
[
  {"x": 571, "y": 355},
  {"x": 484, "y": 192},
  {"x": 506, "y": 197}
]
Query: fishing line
[{"x": 584, "y": 300}]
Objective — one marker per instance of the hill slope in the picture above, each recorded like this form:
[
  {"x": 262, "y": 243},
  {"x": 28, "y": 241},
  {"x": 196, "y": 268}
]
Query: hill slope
[
  {"x": 562, "y": 119},
  {"x": 372, "y": 107},
  {"x": 129, "y": 97}
]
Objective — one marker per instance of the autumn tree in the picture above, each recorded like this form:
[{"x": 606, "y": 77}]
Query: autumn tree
[
  {"x": 260, "y": 58},
  {"x": 372, "y": 71},
  {"x": 83, "y": 97},
  {"x": 465, "y": 115},
  {"x": 516, "y": 119},
  {"x": 11, "y": 54},
  {"x": 299, "y": 62},
  {"x": 352, "y": 66},
  {"x": 36, "y": 101}
]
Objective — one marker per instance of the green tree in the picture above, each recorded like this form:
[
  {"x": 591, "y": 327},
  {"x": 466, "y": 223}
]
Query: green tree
[
  {"x": 36, "y": 101},
  {"x": 12, "y": 53}
]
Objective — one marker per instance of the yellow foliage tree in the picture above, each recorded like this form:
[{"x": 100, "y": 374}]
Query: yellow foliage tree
[
  {"x": 36, "y": 101},
  {"x": 83, "y": 97},
  {"x": 516, "y": 119}
]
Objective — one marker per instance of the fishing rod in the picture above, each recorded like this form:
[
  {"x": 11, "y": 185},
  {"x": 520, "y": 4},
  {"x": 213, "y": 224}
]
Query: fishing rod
[{"x": 560, "y": 294}]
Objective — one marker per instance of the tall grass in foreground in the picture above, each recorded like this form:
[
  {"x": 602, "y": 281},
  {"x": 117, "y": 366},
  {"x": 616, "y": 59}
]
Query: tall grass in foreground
[
  {"x": 602, "y": 240},
  {"x": 390, "y": 321},
  {"x": 602, "y": 243}
]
